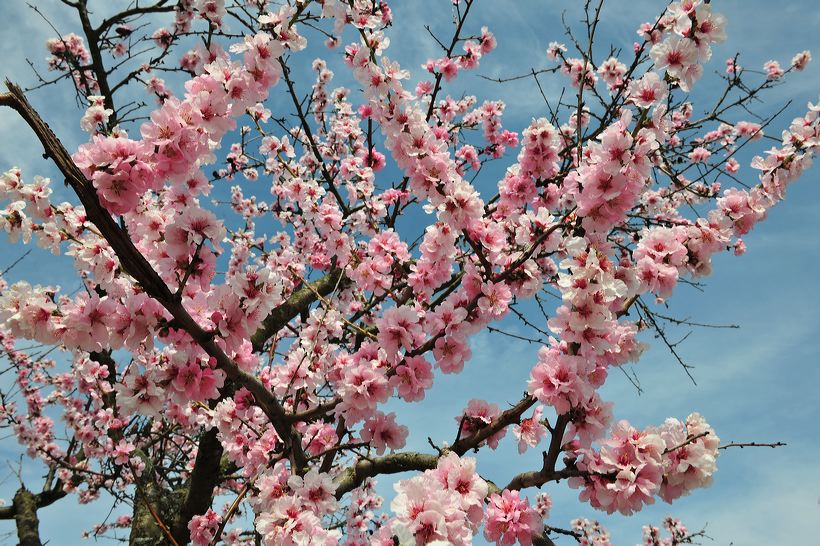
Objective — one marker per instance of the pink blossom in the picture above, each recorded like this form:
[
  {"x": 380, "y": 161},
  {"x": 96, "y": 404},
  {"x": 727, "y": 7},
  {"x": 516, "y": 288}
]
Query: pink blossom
[
  {"x": 647, "y": 91},
  {"x": 412, "y": 378},
  {"x": 399, "y": 328},
  {"x": 477, "y": 415},
  {"x": 530, "y": 431},
  {"x": 511, "y": 520},
  {"x": 382, "y": 431},
  {"x": 801, "y": 60},
  {"x": 557, "y": 380},
  {"x": 203, "y": 528}
]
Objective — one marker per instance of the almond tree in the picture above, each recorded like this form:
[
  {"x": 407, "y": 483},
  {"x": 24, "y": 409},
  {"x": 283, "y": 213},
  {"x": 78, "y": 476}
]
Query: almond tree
[{"x": 246, "y": 349}]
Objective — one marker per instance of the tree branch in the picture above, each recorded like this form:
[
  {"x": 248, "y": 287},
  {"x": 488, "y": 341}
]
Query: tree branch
[
  {"x": 41, "y": 500},
  {"x": 311, "y": 141},
  {"x": 547, "y": 472},
  {"x": 297, "y": 303},
  {"x": 137, "y": 266},
  {"x": 510, "y": 416},
  {"x": 354, "y": 476},
  {"x": 25, "y": 516},
  {"x": 741, "y": 445},
  {"x": 159, "y": 7},
  {"x": 200, "y": 487}
]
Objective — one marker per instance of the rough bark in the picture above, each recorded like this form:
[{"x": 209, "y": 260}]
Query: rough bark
[
  {"x": 152, "y": 502},
  {"x": 199, "y": 492},
  {"x": 25, "y": 517},
  {"x": 354, "y": 476}
]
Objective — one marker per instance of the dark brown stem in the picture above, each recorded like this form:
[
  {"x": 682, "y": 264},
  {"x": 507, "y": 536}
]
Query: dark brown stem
[
  {"x": 97, "y": 65},
  {"x": 741, "y": 445}
]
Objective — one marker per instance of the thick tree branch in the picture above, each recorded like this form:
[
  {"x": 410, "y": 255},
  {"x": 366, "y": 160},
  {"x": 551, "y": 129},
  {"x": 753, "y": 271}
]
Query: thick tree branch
[
  {"x": 137, "y": 266},
  {"x": 542, "y": 540},
  {"x": 354, "y": 476},
  {"x": 200, "y": 488},
  {"x": 547, "y": 472},
  {"x": 297, "y": 303},
  {"x": 41, "y": 500},
  {"x": 25, "y": 516}
]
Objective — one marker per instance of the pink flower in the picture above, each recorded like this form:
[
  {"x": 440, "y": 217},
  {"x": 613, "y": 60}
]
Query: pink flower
[
  {"x": 539, "y": 154},
  {"x": 448, "y": 68},
  {"x": 120, "y": 170},
  {"x": 648, "y": 90},
  {"x": 363, "y": 387},
  {"x": 676, "y": 55},
  {"x": 196, "y": 382},
  {"x": 801, "y": 60},
  {"x": 85, "y": 322},
  {"x": 412, "y": 378},
  {"x": 554, "y": 50},
  {"x": 495, "y": 300},
  {"x": 315, "y": 491},
  {"x": 140, "y": 394},
  {"x": 699, "y": 155},
  {"x": 398, "y": 328},
  {"x": 543, "y": 505},
  {"x": 530, "y": 431},
  {"x": 203, "y": 528},
  {"x": 122, "y": 452},
  {"x": 487, "y": 41},
  {"x": 690, "y": 466},
  {"x": 627, "y": 472},
  {"x": 555, "y": 380},
  {"x": 773, "y": 70},
  {"x": 444, "y": 504},
  {"x": 477, "y": 415},
  {"x": 318, "y": 437},
  {"x": 381, "y": 431},
  {"x": 192, "y": 228},
  {"x": 511, "y": 520},
  {"x": 451, "y": 352},
  {"x": 612, "y": 71},
  {"x": 96, "y": 116}
]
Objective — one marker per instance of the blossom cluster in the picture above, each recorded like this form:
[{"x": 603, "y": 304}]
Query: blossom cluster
[{"x": 633, "y": 467}]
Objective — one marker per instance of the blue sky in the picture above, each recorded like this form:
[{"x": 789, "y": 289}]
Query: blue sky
[{"x": 758, "y": 382}]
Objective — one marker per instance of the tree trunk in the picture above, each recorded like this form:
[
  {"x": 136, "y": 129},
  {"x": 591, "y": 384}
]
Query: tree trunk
[
  {"x": 25, "y": 516},
  {"x": 199, "y": 492},
  {"x": 145, "y": 530}
]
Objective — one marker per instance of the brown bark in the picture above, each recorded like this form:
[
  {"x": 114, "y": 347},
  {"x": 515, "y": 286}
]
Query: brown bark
[
  {"x": 25, "y": 517},
  {"x": 199, "y": 492},
  {"x": 297, "y": 303},
  {"x": 154, "y": 508},
  {"x": 354, "y": 476}
]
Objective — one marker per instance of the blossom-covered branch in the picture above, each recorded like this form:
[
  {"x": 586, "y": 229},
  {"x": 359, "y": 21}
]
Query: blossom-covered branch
[{"x": 249, "y": 345}]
